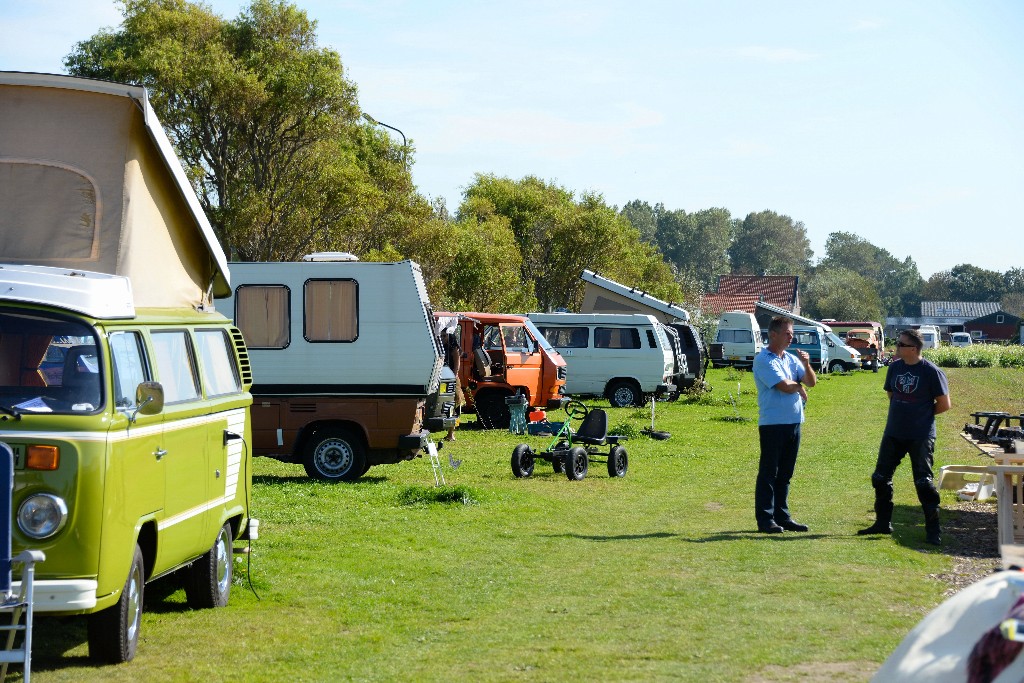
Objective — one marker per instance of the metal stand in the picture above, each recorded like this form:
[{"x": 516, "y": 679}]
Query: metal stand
[
  {"x": 435, "y": 464},
  {"x": 20, "y": 604}
]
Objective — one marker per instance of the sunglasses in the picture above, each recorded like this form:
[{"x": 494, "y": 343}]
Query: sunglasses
[{"x": 906, "y": 346}]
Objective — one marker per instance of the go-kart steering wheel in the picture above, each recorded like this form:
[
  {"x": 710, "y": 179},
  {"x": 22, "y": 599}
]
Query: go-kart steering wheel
[{"x": 576, "y": 410}]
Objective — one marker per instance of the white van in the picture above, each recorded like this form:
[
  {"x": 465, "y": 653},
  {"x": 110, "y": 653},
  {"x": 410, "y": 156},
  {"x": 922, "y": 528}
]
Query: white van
[
  {"x": 931, "y": 336},
  {"x": 841, "y": 356},
  {"x": 625, "y": 358},
  {"x": 960, "y": 339},
  {"x": 737, "y": 341}
]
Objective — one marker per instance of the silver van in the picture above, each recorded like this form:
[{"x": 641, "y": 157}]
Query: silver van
[{"x": 624, "y": 358}]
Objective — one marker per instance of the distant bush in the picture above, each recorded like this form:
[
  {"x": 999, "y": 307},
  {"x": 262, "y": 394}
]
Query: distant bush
[{"x": 977, "y": 356}]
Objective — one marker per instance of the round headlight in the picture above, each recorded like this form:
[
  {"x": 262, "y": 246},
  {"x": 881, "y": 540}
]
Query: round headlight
[{"x": 42, "y": 515}]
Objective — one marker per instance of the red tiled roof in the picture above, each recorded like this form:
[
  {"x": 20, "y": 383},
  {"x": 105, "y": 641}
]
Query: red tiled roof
[
  {"x": 712, "y": 305},
  {"x": 778, "y": 290}
]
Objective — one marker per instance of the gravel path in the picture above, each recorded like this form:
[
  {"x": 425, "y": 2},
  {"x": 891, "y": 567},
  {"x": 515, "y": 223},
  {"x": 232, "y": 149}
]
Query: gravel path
[{"x": 970, "y": 534}]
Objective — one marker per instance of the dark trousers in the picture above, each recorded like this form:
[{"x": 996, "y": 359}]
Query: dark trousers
[
  {"x": 779, "y": 446},
  {"x": 890, "y": 455}
]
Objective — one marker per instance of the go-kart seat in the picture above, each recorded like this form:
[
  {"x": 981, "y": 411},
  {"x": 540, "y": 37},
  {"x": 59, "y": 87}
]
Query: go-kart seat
[{"x": 594, "y": 428}]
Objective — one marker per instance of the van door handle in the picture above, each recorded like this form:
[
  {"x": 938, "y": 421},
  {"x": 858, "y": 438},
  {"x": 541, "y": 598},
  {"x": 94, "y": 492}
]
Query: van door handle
[{"x": 160, "y": 453}]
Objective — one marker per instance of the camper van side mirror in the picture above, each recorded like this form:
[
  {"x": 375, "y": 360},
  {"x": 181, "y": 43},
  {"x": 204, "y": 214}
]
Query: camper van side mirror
[{"x": 149, "y": 397}]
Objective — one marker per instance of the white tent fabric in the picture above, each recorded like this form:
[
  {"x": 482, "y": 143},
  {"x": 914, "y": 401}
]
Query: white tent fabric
[{"x": 938, "y": 649}]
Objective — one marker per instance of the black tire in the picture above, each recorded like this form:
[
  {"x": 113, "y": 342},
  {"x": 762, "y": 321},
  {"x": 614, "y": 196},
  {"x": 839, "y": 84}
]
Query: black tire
[
  {"x": 576, "y": 463},
  {"x": 557, "y": 465},
  {"x": 208, "y": 579},
  {"x": 334, "y": 454},
  {"x": 625, "y": 393},
  {"x": 618, "y": 462},
  {"x": 522, "y": 461},
  {"x": 836, "y": 366},
  {"x": 114, "y": 631},
  {"x": 493, "y": 413}
]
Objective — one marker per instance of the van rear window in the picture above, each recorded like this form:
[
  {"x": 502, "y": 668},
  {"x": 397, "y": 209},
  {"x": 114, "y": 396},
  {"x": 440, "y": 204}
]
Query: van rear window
[{"x": 616, "y": 338}]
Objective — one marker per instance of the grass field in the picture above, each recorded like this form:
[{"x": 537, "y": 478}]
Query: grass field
[{"x": 655, "y": 576}]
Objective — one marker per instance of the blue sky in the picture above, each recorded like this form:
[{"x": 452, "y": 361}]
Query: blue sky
[{"x": 897, "y": 121}]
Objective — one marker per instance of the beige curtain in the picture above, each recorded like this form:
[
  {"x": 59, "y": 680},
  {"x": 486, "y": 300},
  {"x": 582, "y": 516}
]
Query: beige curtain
[
  {"x": 261, "y": 313},
  {"x": 331, "y": 310}
]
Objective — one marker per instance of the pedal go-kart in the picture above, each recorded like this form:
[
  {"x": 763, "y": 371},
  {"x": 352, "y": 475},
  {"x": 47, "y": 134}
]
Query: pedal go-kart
[{"x": 571, "y": 451}]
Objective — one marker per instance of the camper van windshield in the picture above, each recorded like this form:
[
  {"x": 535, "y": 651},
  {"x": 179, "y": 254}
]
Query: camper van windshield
[
  {"x": 541, "y": 339},
  {"x": 48, "y": 364}
]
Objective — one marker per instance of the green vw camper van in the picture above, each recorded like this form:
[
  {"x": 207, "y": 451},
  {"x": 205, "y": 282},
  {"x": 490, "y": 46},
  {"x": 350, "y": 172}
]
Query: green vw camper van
[{"x": 124, "y": 395}]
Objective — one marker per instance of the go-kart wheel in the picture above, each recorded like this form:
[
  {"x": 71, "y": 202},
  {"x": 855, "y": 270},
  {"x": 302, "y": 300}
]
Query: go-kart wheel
[
  {"x": 522, "y": 461},
  {"x": 576, "y": 410},
  {"x": 557, "y": 465},
  {"x": 618, "y": 462},
  {"x": 576, "y": 463}
]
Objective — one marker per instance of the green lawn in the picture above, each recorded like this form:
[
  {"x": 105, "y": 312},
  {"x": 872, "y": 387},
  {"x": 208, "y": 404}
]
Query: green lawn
[{"x": 655, "y": 576}]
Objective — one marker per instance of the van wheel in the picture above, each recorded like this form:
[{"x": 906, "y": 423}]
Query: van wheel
[
  {"x": 208, "y": 579},
  {"x": 334, "y": 455},
  {"x": 625, "y": 393},
  {"x": 114, "y": 631},
  {"x": 492, "y": 411},
  {"x": 836, "y": 366}
]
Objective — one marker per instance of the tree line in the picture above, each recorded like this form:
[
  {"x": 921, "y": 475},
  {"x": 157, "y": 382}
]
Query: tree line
[{"x": 271, "y": 135}]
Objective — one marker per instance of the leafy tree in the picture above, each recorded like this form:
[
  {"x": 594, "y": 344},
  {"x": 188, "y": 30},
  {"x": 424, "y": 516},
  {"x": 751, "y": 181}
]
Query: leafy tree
[
  {"x": 696, "y": 244},
  {"x": 265, "y": 123},
  {"x": 898, "y": 283},
  {"x": 559, "y": 236},
  {"x": 644, "y": 218},
  {"x": 484, "y": 274},
  {"x": 971, "y": 283},
  {"x": 841, "y": 294},
  {"x": 768, "y": 242}
]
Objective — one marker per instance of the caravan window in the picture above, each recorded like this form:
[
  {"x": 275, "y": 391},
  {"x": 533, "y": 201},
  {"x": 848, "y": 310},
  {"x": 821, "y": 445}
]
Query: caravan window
[
  {"x": 616, "y": 338},
  {"x": 176, "y": 366},
  {"x": 220, "y": 375},
  {"x": 567, "y": 337},
  {"x": 261, "y": 313},
  {"x": 331, "y": 311}
]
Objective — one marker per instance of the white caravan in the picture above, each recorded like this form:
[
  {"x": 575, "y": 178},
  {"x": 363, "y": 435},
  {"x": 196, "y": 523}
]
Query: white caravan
[
  {"x": 343, "y": 357},
  {"x": 931, "y": 336}
]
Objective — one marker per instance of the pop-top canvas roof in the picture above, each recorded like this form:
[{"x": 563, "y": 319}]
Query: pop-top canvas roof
[{"x": 88, "y": 180}]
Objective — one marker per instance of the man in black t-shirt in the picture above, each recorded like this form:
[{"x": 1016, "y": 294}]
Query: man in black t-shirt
[{"x": 918, "y": 391}]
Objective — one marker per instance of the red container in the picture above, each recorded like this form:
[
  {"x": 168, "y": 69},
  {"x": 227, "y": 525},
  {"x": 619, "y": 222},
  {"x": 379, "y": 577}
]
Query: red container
[{"x": 537, "y": 415}]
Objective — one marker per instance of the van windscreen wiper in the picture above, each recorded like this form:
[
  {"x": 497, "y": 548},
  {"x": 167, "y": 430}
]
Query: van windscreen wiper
[{"x": 13, "y": 412}]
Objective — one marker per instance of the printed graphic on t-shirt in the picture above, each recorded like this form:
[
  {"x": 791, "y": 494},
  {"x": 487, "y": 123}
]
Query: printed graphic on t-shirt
[{"x": 906, "y": 383}]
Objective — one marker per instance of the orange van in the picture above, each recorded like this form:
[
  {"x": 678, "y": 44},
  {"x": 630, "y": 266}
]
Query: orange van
[{"x": 502, "y": 355}]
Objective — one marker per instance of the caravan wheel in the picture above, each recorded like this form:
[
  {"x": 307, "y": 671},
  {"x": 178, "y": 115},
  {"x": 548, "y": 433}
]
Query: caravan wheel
[{"x": 335, "y": 454}]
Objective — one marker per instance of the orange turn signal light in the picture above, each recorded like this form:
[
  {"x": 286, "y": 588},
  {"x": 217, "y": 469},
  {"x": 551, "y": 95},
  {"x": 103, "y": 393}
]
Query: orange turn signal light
[{"x": 42, "y": 458}]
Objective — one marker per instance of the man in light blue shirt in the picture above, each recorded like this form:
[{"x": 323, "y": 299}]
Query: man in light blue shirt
[{"x": 780, "y": 378}]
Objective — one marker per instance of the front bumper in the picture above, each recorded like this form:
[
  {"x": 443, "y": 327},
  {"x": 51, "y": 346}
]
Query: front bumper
[{"x": 62, "y": 595}]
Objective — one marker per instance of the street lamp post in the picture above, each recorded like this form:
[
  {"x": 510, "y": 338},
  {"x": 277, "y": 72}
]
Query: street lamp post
[{"x": 375, "y": 122}]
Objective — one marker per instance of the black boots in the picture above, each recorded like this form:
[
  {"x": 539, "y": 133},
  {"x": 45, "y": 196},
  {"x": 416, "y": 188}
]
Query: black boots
[
  {"x": 932, "y": 532},
  {"x": 883, "y": 515},
  {"x": 878, "y": 527}
]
